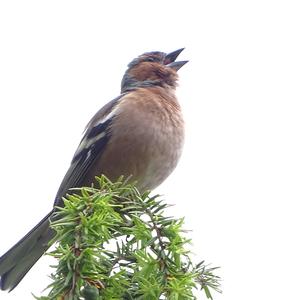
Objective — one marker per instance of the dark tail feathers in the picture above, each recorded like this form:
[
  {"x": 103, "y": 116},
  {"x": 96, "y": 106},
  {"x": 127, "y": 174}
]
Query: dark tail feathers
[{"x": 17, "y": 261}]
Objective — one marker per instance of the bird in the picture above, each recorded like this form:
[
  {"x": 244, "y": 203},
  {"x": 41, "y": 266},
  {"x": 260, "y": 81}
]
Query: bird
[{"x": 140, "y": 134}]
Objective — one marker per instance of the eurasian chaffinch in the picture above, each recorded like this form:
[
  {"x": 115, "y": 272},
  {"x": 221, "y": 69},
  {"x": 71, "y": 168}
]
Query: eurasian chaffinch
[{"x": 139, "y": 134}]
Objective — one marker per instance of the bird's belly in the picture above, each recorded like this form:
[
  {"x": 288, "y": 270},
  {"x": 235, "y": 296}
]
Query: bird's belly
[
  {"x": 147, "y": 154},
  {"x": 160, "y": 159}
]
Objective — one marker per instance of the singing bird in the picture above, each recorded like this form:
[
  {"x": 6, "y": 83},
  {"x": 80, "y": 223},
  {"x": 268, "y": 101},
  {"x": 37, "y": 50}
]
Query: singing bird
[{"x": 140, "y": 134}]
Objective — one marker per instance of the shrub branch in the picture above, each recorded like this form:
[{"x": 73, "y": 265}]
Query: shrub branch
[{"x": 115, "y": 243}]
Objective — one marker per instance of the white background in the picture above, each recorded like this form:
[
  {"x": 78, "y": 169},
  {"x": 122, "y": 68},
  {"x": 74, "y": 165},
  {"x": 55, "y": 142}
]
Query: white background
[{"x": 237, "y": 183}]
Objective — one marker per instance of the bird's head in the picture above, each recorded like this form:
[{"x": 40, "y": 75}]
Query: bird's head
[{"x": 152, "y": 69}]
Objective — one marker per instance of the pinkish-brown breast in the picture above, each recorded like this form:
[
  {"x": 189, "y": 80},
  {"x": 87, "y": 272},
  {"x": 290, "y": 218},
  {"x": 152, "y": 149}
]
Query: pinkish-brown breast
[{"x": 147, "y": 136}]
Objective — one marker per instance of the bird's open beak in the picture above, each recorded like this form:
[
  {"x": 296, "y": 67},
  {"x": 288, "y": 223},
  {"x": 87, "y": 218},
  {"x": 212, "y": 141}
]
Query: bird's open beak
[{"x": 170, "y": 60}]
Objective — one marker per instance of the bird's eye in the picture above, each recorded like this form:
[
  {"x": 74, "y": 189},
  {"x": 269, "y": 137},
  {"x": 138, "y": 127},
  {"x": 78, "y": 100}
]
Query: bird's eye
[{"x": 150, "y": 59}]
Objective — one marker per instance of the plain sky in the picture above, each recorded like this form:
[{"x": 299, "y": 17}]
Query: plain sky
[{"x": 237, "y": 183}]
